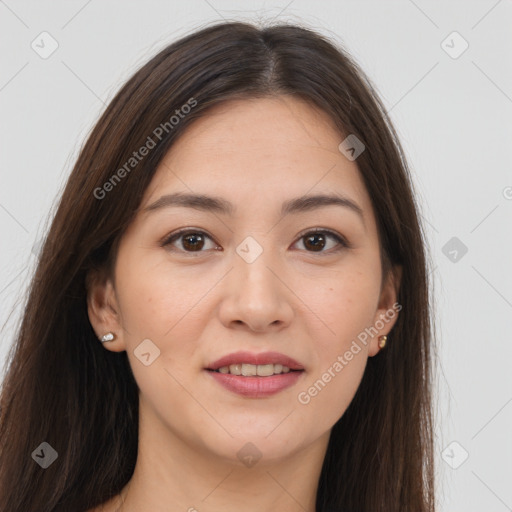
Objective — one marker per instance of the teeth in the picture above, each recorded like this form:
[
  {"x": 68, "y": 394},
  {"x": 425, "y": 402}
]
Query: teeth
[
  {"x": 235, "y": 369},
  {"x": 264, "y": 370},
  {"x": 251, "y": 370}
]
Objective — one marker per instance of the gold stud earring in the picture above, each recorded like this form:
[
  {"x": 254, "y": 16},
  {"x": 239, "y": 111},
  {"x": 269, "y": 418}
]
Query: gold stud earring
[{"x": 382, "y": 341}]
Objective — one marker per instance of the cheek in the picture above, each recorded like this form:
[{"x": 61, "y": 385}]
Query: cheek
[
  {"x": 159, "y": 301},
  {"x": 164, "y": 306},
  {"x": 346, "y": 306},
  {"x": 329, "y": 391}
]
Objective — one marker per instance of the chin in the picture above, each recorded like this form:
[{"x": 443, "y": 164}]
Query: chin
[{"x": 265, "y": 444}]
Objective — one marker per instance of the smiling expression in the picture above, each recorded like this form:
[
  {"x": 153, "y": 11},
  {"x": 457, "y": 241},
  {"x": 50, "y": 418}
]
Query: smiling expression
[{"x": 255, "y": 235}]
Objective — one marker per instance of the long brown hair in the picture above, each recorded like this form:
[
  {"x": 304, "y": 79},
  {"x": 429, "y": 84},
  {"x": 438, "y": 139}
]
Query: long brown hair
[{"x": 62, "y": 387}]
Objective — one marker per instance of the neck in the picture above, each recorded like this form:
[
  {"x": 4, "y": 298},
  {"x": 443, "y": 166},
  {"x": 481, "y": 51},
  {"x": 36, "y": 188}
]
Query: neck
[{"x": 174, "y": 473}]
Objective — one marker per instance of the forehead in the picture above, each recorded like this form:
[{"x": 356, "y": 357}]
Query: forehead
[{"x": 269, "y": 148}]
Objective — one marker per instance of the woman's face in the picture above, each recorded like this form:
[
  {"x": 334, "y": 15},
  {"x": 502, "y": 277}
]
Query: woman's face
[{"x": 249, "y": 275}]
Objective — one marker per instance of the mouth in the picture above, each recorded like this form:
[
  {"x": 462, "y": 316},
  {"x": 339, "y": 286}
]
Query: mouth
[
  {"x": 250, "y": 364},
  {"x": 253, "y": 370},
  {"x": 256, "y": 375}
]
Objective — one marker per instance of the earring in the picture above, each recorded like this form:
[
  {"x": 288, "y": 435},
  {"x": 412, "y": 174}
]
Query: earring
[
  {"x": 107, "y": 337},
  {"x": 382, "y": 341}
]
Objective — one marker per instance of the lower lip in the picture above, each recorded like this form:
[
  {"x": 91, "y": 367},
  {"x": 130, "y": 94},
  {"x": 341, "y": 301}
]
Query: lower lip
[{"x": 256, "y": 387}]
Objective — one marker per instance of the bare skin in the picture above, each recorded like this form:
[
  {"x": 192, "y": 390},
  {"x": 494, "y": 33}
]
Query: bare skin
[{"x": 198, "y": 302}]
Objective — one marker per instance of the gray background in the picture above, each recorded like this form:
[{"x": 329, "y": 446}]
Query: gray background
[{"x": 452, "y": 114}]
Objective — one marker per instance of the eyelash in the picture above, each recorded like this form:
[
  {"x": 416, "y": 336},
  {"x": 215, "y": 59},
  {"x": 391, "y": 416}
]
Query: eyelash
[{"x": 343, "y": 243}]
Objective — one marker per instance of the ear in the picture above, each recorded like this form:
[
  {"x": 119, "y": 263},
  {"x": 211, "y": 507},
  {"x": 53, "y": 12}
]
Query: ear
[
  {"x": 388, "y": 308},
  {"x": 103, "y": 309}
]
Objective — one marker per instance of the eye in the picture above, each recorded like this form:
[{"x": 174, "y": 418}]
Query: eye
[
  {"x": 192, "y": 240},
  {"x": 317, "y": 240}
]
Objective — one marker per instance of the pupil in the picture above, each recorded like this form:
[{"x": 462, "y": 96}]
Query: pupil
[
  {"x": 193, "y": 244},
  {"x": 316, "y": 245}
]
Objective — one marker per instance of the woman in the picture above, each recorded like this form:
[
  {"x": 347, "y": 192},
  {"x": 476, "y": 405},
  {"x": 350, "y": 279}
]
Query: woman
[{"x": 231, "y": 306}]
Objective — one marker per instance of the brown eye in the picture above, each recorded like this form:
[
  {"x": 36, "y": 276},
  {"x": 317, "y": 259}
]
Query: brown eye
[
  {"x": 193, "y": 242},
  {"x": 316, "y": 241},
  {"x": 190, "y": 241}
]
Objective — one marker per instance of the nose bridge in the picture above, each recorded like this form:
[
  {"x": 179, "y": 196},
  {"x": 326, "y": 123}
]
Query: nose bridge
[
  {"x": 256, "y": 295},
  {"x": 252, "y": 266}
]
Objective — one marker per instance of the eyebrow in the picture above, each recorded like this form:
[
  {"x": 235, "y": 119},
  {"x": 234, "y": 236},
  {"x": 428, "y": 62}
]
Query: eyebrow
[{"x": 222, "y": 206}]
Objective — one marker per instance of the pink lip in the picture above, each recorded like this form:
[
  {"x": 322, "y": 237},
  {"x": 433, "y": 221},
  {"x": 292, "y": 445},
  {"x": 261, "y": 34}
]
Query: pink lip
[
  {"x": 252, "y": 358},
  {"x": 256, "y": 387}
]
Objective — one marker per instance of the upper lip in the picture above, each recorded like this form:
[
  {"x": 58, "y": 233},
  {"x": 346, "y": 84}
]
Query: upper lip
[{"x": 256, "y": 359}]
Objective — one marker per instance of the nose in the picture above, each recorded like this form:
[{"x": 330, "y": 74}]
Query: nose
[{"x": 256, "y": 297}]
